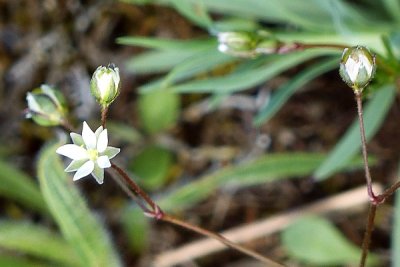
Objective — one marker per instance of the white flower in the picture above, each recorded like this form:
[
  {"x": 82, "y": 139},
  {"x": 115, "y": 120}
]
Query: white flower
[{"x": 90, "y": 153}]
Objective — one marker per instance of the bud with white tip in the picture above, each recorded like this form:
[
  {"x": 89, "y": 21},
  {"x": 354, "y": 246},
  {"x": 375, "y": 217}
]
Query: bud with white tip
[
  {"x": 241, "y": 44},
  {"x": 105, "y": 84},
  {"x": 46, "y": 106},
  {"x": 357, "y": 67}
]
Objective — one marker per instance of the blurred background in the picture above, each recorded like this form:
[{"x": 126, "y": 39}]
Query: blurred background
[{"x": 218, "y": 140}]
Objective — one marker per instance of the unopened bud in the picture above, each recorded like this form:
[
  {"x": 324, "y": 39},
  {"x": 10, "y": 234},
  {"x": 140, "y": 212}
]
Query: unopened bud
[
  {"x": 357, "y": 67},
  {"x": 46, "y": 106},
  {"x": 241, "y": 44},
  {"x": 105, "y": 84}
]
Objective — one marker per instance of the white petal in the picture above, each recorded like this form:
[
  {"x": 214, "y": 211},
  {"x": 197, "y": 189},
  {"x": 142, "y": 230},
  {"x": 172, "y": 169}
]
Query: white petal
[
  {"x": 98, "y": 174},
  {"x": 77, "y": 139},
  {"x": 102, "y": 142},
  {"x": 352, "y": 68},
  {"x": 72, "y": 151},
  {"x": 111, "y": 152},
  {"x": 84, "y": 170},
  {"x": 88, "y": 136},
  {"x": 98, "y": 131},
  {"x": 103, "y": 162},
  {"x": 32, "y": 103}
]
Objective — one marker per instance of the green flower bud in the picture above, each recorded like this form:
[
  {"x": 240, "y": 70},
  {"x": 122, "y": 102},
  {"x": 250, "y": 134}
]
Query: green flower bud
[
  {"x": 241, "y": 44},
  {"x": 46, "y": 106},
  {"x": 105, "y": 84},
  {"x": 357, "y": 67}
]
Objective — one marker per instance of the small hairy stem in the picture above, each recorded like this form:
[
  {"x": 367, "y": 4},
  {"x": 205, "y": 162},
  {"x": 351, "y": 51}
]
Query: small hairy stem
[
  {"x": 368, "y": 178},
  {"x": 158, "y": 214},
  {"x": 204, "y": 232},
  {"x": 135, "y": 187},
  {"x": 104, "y": 111},
  {"x": 368, "y": 233}
]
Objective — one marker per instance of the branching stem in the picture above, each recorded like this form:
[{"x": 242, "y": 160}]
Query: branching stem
[{"x": 158, "y": 214}]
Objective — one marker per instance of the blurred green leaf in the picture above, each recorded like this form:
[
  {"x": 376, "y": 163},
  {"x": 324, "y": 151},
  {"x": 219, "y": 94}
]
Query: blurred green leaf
[
  {"x": 152, "y": 166},
  {"x": 18, "y": 186},
  {"x": 25, "y": 237},
  {"x": 123, "y": 132},
  {"x": 350, "y": 144},
  {"x": 197, "y": 64},
  {"x": 194, "y": 11},
  {"x": 158, "y": 61},
  {"x": 136, "y": 228},
  {"x": 158, "y": 110},
  {"x": 268, "y": 168},
  {"x": 15, "y": 261},
  {"x": 78, "y": 225},
  {"x": 168, "y": 44},
  {"x": 288, "y": 89},
  {"x": 314, "y": 240},
  {"x": 248, "y": 78}
]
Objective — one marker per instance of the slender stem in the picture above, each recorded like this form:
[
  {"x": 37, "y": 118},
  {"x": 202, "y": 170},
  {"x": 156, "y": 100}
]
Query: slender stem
[
  {"x": 268, "y": 262},
  {"x": 388, "y": 192},
  {"x": 158, "y": 214},
  {"x": 135, "y": 187},
  {"x": 132, "y": 194},
  {"x": 368, "y": 233},
  {"x": 104, "y": 110},
  {"x": 364, "y": 147}
]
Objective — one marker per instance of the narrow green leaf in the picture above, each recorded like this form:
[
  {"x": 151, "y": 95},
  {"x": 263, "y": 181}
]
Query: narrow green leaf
[
  {"x": 195, "y": 12},
  {"x": 196, "y": 64},
  {"x": 246, "y": 79},
  {"x": 15, "y": 261},
  {"x": 157, "y": 61},
  {"x": 314, "y": 240},
  {"x": 79, "y": 226},
  {"x": 393, "y": 8},
  {"x": 350, "y": 144},
  {"x": 167, "y": 44},
  {"x": 265, "y": 169},
  {"x": 159, "y": 110},
  {"x": 25, "y": 237},
  {"x": 18, "y": 186},
  {"x": 288, "y": 89}
]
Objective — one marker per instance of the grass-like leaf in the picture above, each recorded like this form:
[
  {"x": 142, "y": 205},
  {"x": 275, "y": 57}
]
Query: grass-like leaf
[
  {"x": 18, "y": 186},
  {"x": 350, "y": 144},
  {"x": 34, "y": 240},
  {"x": 288, "y": 89},
  {"x": 78, "y": 225},
  {"x": 248, "y": 78},
  {"x": 269, "y": 168}
]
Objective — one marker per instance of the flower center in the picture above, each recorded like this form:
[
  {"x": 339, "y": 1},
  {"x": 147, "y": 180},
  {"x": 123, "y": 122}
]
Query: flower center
[{"x": 92, "y": 154}]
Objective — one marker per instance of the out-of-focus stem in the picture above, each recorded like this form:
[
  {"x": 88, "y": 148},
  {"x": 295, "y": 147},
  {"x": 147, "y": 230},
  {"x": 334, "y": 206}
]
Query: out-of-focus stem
[{"x": 368, "y": 233}]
